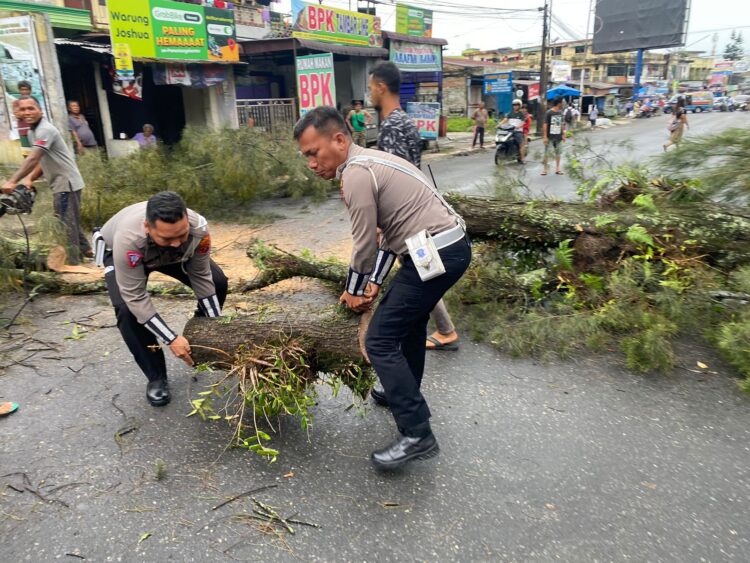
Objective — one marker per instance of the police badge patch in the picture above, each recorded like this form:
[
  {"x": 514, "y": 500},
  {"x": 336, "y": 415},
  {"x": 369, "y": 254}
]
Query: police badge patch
[
  {"x": 205, "y": 245},
  {"x": 134, "y": 258}
]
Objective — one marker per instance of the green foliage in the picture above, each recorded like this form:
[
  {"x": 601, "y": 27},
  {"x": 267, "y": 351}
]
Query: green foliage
[
  {"x": 717, "y": 165},
  {"x": 465, "y": 124},
  {"x": 273, "y": 381},
  {"x": 564, "y": 255},
  {"x": 216, "y": 171}
]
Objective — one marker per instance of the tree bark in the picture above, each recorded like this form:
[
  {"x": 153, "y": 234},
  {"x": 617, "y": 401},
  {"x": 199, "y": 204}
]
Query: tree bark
[
  {"x": 306, "y": 311},
  {"x": 276, "y": 265},
  {"x": 720, "y": 232}
]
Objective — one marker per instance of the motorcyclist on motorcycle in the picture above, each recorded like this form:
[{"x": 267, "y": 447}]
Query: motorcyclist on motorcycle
[{"x": 517, "y": 119}]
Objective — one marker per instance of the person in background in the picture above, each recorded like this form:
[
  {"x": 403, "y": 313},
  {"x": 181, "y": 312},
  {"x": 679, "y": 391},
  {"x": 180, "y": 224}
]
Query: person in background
[
  {"x": 526, "y": 127},
  {"x": 79, "y": 127},
  {"x": 677, "y": 124},
  {"x": 554, "y": 134},
  {"x": 519, "y": 119},
  {"x": 146, "y": 139},
  {"x": 480, "y": 117},
  {"x": 24, "y": 89},
  {"x": 593, "y": 115},
  {"x": 358, "y": 120},
  {"x": 51, "y": 156},
  {"x": 399, "y": 136}
]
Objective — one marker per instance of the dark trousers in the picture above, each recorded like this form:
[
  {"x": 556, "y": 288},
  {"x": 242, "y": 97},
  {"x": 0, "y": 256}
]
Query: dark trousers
[
  {"x": 142, "y": 342},
  {"x": 67, "y": 207},
  {"x": 478, "y": 132},
  {"x": 396, "y": 336}
]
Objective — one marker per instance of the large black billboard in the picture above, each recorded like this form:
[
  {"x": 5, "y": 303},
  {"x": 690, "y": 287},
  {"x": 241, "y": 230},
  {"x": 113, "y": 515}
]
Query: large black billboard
[{"x": 622, "y": 25}]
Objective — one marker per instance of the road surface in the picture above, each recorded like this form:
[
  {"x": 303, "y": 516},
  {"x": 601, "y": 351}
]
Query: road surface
[{"x": 473, "y": 174}]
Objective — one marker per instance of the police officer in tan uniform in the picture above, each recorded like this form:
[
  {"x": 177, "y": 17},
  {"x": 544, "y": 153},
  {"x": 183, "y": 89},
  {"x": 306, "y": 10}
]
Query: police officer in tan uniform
[
  {"x": 383, "y": 190},
  {"x": 160, "y": 235}
]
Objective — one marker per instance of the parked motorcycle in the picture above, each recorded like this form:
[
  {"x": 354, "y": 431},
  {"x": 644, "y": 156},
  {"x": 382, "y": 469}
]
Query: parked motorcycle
[{"x": 506, "y": 147}]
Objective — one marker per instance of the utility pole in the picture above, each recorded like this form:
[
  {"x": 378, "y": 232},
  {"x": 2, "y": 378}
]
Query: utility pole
[{"x": 542, "y": 105}]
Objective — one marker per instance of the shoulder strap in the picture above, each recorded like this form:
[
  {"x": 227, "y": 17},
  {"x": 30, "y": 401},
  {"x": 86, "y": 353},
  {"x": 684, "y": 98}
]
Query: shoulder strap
[{"x": 363, "y": 159}]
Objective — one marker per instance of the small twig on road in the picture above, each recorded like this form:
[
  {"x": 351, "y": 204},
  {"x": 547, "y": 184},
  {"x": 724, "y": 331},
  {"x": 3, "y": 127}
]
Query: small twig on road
[{"x": 243, "y": 495}]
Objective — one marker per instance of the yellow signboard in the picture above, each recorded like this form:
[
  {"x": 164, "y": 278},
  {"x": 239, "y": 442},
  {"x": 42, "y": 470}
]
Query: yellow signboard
[
  {"x": 123, "y": 61},
  {"x": 130, "y": 22}
]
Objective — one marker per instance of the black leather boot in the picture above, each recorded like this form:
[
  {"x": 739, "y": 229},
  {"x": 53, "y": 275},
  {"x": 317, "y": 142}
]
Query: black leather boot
[
  {"x": 157, "y": 392},
  {"x": 378, "y": 396},
  {"x": 413, "y": 443}
]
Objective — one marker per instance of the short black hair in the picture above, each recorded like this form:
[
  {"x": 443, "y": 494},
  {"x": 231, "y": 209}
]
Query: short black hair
[
  {"x": 557, "y": 101},
  {"x": 324, "y": 119},
  {"x": 24, "y": 84},
  {"x": 389, "y": 74},
  {"x": 165, "y": 206},
  {"x": 32, "y": 98}
]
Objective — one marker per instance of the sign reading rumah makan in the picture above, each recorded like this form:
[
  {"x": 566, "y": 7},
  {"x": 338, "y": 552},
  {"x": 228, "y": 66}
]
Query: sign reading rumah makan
[{"x": 316, "y": 85}]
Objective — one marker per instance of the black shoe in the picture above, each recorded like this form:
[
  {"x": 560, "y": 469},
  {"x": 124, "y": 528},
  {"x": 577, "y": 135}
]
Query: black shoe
[
  {"x": 157, "y": 392},
  {"x": 378, "y": 395},
  {"x": 404, "y": 449}
]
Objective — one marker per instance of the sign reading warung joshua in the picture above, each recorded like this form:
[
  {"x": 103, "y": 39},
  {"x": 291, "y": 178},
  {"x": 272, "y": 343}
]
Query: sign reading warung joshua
[{"x": 173, "y": 30}]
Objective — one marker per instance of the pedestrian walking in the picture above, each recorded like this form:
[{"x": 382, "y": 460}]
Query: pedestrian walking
[
  {"x": 51, "y": 156},
  {"x": 480, "y": 117},
  {"x": 382, "y": 190},
  {"x": 677, "y": 124},
  {"x": 554, "y": 135},
  {"x": 526, "y": 127},
  {"x": 358, "y": 120},
  {"x": 401, "y": 138},
  {"x": 593, "y": 115},
  {"x": 158, "y": 235},
  {"x": 82, "y": 134}
]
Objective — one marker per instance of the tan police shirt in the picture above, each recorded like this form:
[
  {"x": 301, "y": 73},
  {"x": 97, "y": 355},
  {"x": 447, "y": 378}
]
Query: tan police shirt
[{"x": 400, "y": 204}]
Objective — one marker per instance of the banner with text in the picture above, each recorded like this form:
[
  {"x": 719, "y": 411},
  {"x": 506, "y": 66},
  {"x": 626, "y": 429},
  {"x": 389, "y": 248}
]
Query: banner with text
[
  {"x": 19, "y": 62},
  {"x": 416, "y": 57},
  {"x": 500, "y": 83},
  {"x": 413, "y": 21},
  {"x": 315, "y": 82},
  {"x": 168, "y": 30},
  {"x": 323, "y": 23},
  {"x": 426, "y": 116}
]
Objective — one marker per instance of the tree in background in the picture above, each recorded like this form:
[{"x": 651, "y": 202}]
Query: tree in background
[{"x": 735, "y": 49}]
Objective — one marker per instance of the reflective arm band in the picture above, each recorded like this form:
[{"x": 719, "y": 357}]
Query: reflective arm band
[
  {"x": 160, "y": 329},
  {"x": 383, "y": 266},
  {"x": 210, "y": 306},
  {"x": 99, "y": 247},
  {"x": 356, "y": 282}
]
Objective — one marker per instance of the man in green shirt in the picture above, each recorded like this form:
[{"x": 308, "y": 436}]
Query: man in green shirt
[{"x": 358, "y": 120}]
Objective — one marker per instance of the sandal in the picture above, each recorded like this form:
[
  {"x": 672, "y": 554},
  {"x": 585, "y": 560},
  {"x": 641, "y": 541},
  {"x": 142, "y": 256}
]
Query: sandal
[
  {"x": 437, "y": 345},
  {"x": 8, "y": 408},
  {"x": 559, "y": 173}
]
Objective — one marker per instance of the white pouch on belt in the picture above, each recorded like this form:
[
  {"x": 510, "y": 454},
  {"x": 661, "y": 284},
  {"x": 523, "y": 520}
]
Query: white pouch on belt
[{"x": 425, "y": 255}]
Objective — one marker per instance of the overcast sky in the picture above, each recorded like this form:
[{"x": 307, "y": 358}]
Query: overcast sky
[{"x": 484, "y": 32}]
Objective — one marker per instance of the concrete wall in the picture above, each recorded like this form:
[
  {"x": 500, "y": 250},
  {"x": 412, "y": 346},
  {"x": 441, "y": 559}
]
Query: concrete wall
[
  {"x": 454, "y": 95},
  {"x": 212, "y": 107}
]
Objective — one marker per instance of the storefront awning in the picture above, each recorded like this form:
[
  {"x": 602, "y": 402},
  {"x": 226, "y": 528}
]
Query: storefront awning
[
  {"x": 265, "y": 46},
  {"x": 106, "y": 49},
  {"x": 59, "y": 17},
  {"x": 411, "y": 39}
]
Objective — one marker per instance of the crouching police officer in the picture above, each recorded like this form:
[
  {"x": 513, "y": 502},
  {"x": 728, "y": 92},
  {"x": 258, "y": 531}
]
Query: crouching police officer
[
  {"x": 158, "y": 235},
  {"x": 382, "y": 190}
]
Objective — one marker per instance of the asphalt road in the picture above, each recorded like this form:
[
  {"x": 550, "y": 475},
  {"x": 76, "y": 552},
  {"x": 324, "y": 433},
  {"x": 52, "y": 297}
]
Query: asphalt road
[
  {"x": 474, "y": 174},
  {"x": 565, "y": 461}
]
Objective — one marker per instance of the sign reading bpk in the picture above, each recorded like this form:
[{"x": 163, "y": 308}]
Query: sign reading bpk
[
  {"x": 315, "y": 82},
  {"x": 426, "y": 116}
]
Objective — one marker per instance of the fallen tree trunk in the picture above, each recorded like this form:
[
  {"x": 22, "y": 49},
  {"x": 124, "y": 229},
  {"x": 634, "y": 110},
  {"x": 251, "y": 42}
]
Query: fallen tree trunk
[
  {"x": 276, "y": 265},
  {"x": 304, "y": 311},
  {"x": 720, "y": 232}
]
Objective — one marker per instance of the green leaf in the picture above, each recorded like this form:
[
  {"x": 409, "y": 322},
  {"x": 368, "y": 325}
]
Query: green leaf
[
  {"x": 645, "y": 201},
  {"x": 604, "y": 220},
  {"x": 639, "y": 235},
  {"x": 144, "y": 537}
]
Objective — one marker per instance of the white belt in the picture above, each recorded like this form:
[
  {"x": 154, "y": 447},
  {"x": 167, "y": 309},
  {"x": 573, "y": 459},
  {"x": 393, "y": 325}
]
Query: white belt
[{"x": 451, "y": 236}]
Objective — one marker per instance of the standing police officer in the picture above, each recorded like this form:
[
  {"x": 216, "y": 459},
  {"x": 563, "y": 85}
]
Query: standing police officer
[
  {"x": 160, "y": 235},
  {"x": 382, "y": 190}
]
